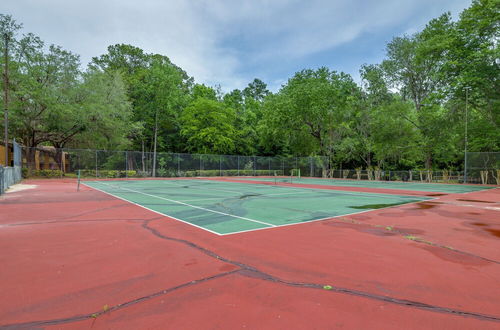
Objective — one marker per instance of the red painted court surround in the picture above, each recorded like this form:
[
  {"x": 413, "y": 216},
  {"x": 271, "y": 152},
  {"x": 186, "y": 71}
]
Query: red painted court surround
[{"x": 66, "y": 255}]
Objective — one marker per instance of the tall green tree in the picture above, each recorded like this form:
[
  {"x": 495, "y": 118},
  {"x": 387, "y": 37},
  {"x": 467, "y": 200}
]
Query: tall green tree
[
  {"x": 414, "y": 66},
  {"x": 157, "y": 89},
  {"x": 313, "y": 110},
  {"x": 473, "y": 74},
  {"x": 208, "y": 127}
]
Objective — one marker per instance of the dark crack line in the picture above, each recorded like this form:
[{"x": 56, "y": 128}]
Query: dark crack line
[
  {"x": 252, "y": 272},
  {"x": 404, "y": 302},
  {"x": 419, "y": 240},
  {"x": 76, "y": 221},
  {"x": 248, "y": 270},
  {"x": 76, "y": 318},
  {"x": 94, "y": 211}
]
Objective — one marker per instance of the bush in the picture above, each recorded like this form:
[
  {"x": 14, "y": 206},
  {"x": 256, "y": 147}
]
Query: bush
[
  {"x": 116, "y": 174},
  {"x": 232, "y": 173},
  {"x": 47, "y": 173}
]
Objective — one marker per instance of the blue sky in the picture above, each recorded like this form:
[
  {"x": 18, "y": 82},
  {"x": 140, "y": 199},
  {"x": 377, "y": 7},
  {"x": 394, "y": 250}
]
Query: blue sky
[{"x": 230, "y": 43}]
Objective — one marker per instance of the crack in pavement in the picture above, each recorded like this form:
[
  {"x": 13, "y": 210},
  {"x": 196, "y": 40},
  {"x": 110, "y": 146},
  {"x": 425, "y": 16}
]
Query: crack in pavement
[
  {"x": 417, "y": 239},
  {"x": 76, "y": 221},
  {"x": 250, "y": 271},
  {"x": 76, "y": 318}
]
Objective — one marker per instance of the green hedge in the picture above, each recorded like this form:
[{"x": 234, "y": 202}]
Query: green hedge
[
  {"x": 45, "y": 173},
  {"x": 231, "y": 173},
  {"x": 138, "y": 174}
]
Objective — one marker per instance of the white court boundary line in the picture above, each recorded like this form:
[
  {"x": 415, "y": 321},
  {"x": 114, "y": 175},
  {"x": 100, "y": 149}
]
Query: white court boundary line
[
  {"x": 329, "y": 191},
  {"x": 334, "y": 191},
  {"x": 249, "y": 230},
  {"x": 147, "y": 208},
  {"x": 198, "y": 187},
  {"x": 238, "y": 197},
  {"x": 193, "y": 206},
  {"x": 327, "y": 218},
  {"x": 253, "y": 179}
]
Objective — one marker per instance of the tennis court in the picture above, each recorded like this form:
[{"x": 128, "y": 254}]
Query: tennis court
[
  {"x": 231, "y": 207},
  {"x": 413, "y": 186}
]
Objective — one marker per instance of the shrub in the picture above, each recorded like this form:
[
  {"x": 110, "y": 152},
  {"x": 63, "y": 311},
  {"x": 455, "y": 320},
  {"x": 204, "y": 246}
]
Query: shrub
[{"x": 47, "y": 173}]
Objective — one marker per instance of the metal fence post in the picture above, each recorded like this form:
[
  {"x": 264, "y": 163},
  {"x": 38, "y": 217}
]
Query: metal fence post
[
  {"x": 254, "y": 165},
  {"x": 96, "y": 163},
  {"x": 126, "y": 164},
  {"x": 311, "y": 164}
]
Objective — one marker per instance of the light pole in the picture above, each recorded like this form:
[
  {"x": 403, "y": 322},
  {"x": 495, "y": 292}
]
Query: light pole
[
  {"x": 467, "y": 88},
  {"x": 6, "y": 98}
]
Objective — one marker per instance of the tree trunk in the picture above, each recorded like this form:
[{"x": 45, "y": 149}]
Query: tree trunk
[{"x": 428, "y": 161}]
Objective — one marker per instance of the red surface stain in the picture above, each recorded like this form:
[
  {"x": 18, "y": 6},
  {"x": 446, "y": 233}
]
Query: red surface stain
[
  {"x": 425, "y": 205},
  {"x": 453, "y": 256},
  {"x": 473, "y": 200},
  {"x": 494, "y": 232},
  {"x": 479, "y": 224}
]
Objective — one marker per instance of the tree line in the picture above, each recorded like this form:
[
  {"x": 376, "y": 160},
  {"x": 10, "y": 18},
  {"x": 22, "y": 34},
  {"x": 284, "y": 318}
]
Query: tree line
[{"x": 407, "y": 112}]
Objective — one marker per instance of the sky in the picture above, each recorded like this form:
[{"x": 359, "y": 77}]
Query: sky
[{"x": 229, "y": 43}]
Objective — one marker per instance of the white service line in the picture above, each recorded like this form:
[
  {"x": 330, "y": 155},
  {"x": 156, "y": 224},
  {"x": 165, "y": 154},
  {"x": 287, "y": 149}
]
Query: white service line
[
  {"x": 237, "y": 197},
  {"x": 193, "y": 206},
  {"x": 360, "y": 184},
  {"x": 147, "y": 208},
  {"x": 197, "y": 187}
]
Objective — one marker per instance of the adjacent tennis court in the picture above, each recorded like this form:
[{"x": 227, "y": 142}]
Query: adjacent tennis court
[
  {"x": 229, "y": 207},
  {"x": 398, "y": 185}
]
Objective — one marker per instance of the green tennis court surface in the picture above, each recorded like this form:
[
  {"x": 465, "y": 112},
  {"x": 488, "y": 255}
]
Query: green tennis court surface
[
  {"x": 230, "y": 207},
  {"x": 414, "y": 186}
]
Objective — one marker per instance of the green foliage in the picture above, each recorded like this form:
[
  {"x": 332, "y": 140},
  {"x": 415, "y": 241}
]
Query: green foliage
[
  {"x": 47, "y": 173},
  {"x": 313, "y": 111},
  {"x": 244, "y": 172},
  {"x": 208, "y": 127},
  {"x": 408, "y": 112}
]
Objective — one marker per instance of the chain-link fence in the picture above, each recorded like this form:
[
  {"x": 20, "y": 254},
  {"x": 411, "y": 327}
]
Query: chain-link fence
[
  {"x": 49, "y": 161},
  {"x": 483, "y": 167},
  {"x": 11, "y": 175}
]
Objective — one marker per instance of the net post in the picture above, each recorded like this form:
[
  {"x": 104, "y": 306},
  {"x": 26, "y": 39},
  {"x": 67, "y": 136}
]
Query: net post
[{"x": 78, "y": 184}]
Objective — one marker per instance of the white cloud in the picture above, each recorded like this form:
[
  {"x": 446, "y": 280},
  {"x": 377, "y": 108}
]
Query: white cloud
[{"x": 218, "y": 41}]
